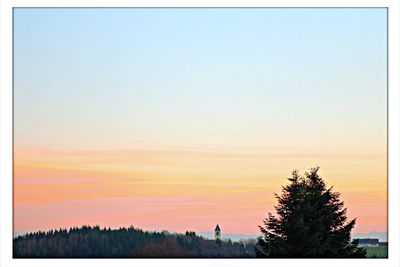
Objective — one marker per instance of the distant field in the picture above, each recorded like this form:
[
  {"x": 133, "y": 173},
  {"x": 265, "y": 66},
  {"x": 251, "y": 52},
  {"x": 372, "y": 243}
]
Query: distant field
[{"x": 377, "y": 252}]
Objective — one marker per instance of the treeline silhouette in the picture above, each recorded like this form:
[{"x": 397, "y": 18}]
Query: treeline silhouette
[{"x": 96, "y": 242}]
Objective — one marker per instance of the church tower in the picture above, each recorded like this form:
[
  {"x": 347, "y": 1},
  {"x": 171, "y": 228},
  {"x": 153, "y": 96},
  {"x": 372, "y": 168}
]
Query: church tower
[{"x": 217, "y": 233}]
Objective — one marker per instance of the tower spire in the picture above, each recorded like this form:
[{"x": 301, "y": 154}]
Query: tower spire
[{"x": 217, "y": 233}]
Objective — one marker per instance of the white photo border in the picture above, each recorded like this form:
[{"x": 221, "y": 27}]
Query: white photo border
[{"x": 6, "y": 132}]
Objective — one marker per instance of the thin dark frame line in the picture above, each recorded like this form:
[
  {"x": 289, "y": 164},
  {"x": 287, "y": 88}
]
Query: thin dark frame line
[
  {"x": 387, "y": 126},
  {"x": 218, "y": 7}
]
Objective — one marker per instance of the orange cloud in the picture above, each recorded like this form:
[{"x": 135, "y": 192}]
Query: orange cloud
[{"x": 157, "y": 188}]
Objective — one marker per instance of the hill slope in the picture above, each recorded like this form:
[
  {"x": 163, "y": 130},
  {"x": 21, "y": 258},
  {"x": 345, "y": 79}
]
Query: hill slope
[{"x": 91, "y": 242}]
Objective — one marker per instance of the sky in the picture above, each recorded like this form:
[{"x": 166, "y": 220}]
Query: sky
[{"x": 179, "y": 118}]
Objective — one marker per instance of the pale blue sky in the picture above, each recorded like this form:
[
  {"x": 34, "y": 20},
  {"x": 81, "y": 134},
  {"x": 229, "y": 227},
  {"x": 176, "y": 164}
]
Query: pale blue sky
[{"x": 247, "y": 76}]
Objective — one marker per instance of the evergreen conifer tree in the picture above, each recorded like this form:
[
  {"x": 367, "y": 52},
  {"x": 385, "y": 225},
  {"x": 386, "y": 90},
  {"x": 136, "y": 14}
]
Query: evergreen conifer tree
[{"x": 311, "y": 222}]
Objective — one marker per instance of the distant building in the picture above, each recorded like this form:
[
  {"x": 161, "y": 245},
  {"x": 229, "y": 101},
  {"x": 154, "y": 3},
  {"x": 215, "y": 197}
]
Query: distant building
[
  {"x": 217, "y": 233},
  {"x": 367, "y": 242}
]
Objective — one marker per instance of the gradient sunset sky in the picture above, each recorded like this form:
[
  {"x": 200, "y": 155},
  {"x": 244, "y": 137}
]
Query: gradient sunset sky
[{"x": 180, "y": 119}]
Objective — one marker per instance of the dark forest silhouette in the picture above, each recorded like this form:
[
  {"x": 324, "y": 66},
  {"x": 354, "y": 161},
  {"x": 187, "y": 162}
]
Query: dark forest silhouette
[{"x": 96, "y": 242}]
